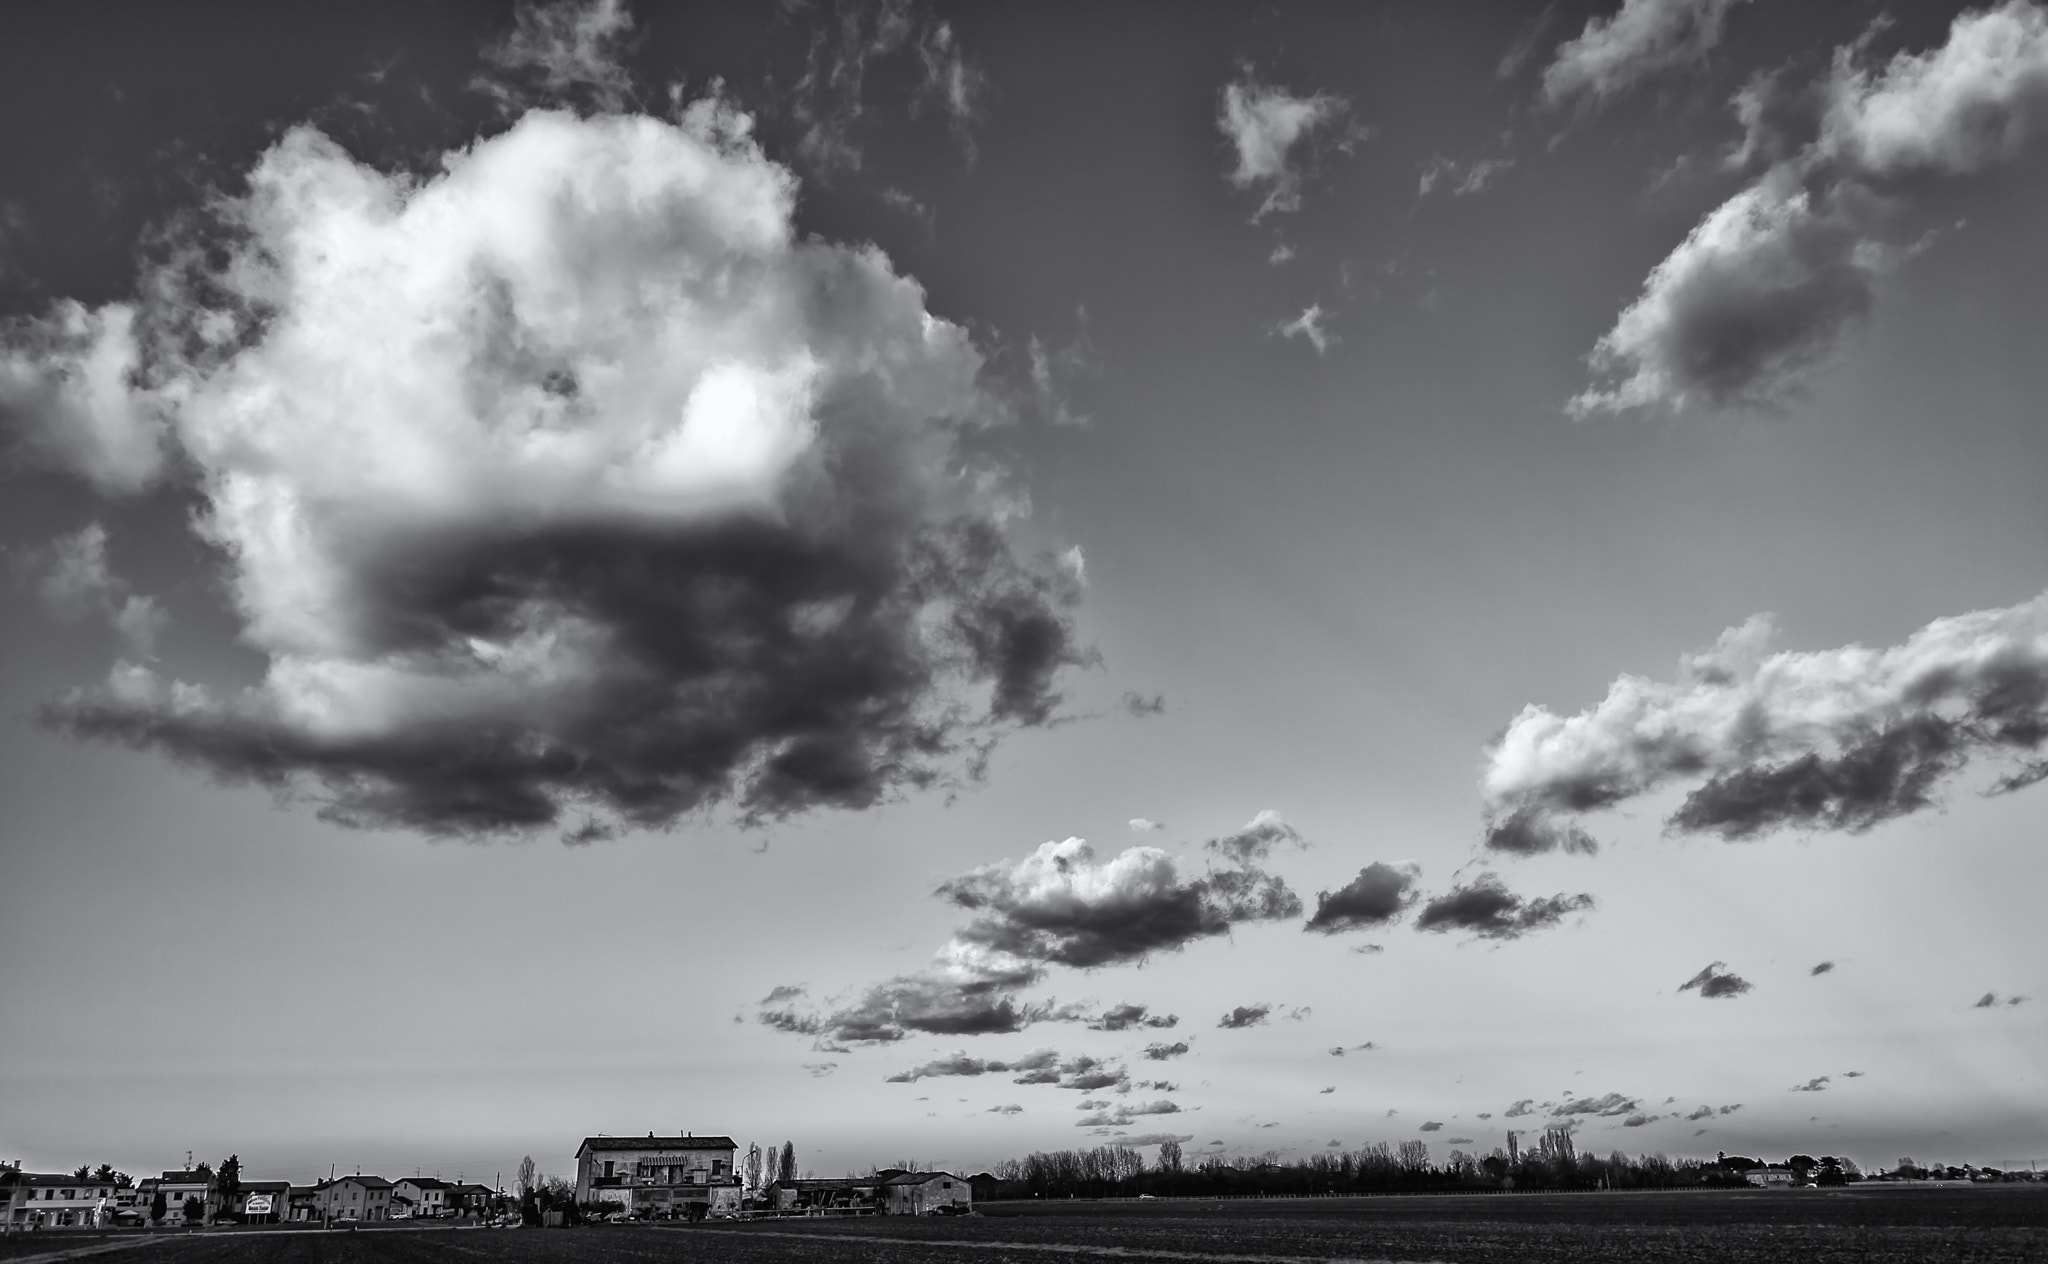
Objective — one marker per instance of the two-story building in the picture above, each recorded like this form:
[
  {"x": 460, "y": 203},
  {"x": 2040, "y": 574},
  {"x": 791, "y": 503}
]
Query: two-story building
[
  {"x": 655, "y": 1177},
  {"x": 55, "y": 1200},
  {"x": 188, "y": 1194},
  {"x": 356, "y": 1197},
  {"x": 430, "y": 1198}
]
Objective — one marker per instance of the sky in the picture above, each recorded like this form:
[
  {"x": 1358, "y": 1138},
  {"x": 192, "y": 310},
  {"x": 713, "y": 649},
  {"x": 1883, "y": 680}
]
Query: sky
[{"x": 938, "y": 582}]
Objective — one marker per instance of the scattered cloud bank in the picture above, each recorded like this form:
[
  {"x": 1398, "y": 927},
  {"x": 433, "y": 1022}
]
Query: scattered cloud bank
[
  {"x": 1245, "y": 1016},
  {"x": 1486, "y": 908},
  {"x": 1255, "y": 842},
  {"x": 1377, "y": 896},
  {"x": 1642, "y": 39},
  {"x": 1609, "y": 1105},
  {"x": 832, "y": 101},
  {"x": 959, "y": 1062},
  {"x": 67, "y": 398},
  {"x": 1991, "y": 999},
  {"x": 1841, "y": 740},
  {"x": 562, "y": 51},
  {"x": 1055, "y": 369},
  {"x": 1715, "y": 982},
  {"x": 1264, "y": 125},
  {"x": 583, "y": 487},
  {"x": 1460, "y": 179},
  {"x": 1126, "y": 1017},
  {"x": 1139, "y": 705},
  {"x": 77, "y": 583},
  {"x": 1825, "y": 967},
  {"x": 1761, "y": 290},
  {"x": 1059, "y": 906},
  {"x": 1312, "y": 325},
  {"x": 1158, "y": 1051},
  {"x": 1818, "y": 1084}
]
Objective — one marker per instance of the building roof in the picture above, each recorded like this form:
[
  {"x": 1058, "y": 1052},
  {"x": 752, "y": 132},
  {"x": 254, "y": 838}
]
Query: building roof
[
  {"x": 918, "y": 1178},
  {"x": 367, "y": 1182},
  {"x": 425, "y": 1182},
  {"x": 47, "y": 1178},
  {"x": 266, "y": 1187},
  {"x": 196, "y": 1176},
  {"x": 472, "y": 1188},
  {"x": 651, "y": 1142}
]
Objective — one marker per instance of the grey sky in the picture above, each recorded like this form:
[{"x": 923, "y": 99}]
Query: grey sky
[{"x": 1348, "y": 564}]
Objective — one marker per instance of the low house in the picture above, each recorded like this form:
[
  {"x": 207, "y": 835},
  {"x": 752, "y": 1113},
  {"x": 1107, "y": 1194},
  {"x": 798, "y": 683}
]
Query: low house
[
  {"x": 1770, "y": 1177},
  {"x": 472, "y": 1199},
  {"x": 302, "y": 1203},
  {"x": 838, "y": 1193},
  {"x": 352, "y": 1198},
  {"x": 662, "y": 1178},
  {"x": 429, "y": 1197},
  {"x": 262, "y": 1202},
  {"x": 56, "y": 1200},
  {"x": 926, "y": 1194}
]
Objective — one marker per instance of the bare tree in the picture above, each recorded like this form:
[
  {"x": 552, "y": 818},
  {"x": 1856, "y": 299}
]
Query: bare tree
[
  {"x": 1169, "y": 1156},
  {"x": 526, "y": 1176},
  {"x": 788, "y": 1172},
  {"x": 753, "y": 1169}
]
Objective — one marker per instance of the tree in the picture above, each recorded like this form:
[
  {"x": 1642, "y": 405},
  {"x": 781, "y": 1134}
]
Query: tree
[
  {"x": 195, "y": 1210},
  {"x": 106, "y": 1174},
  {"x": 83, "y": 1174},
  {"x": 788, "y": 1172},
  {"x": 159, "y": 1207},
  {"x": 753, "y": 1170},
  {"x": 1169, "y": 1156},
  {"x": 525, "y": 1176},
  {"x": 229, "y": 1183}
]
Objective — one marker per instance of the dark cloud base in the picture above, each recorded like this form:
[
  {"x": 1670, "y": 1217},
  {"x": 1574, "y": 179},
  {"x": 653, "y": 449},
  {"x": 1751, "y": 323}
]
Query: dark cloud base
[
  {"x": 1486, "y": 908},
  {"x": 715, "y": 687}
]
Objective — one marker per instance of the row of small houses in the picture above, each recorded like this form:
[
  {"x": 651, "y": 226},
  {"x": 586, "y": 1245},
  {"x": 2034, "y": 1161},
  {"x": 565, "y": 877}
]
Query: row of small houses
[
  {"x": 651, "y": 1177},
  {"x": 46, "y": 1200}
]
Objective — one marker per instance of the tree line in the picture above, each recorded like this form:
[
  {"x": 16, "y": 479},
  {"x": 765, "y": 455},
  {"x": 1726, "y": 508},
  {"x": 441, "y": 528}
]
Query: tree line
[{"x": 1110, "y": 1171}]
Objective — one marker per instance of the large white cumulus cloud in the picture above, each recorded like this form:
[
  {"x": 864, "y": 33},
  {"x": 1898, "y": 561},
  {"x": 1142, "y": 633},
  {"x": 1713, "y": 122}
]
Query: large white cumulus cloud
[
  {"x": 1841, "y": 739},
  {"x": 570, "y": 478},
  {"x": 1760, "y": 292}
]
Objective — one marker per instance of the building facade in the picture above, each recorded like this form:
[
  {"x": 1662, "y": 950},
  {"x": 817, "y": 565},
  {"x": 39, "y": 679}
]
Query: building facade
[
  {"x": 430, "y": 1198},
  {"x": 185, "y": 1191},
  {"x": 262, "y": 1202},
  {"x": 655, "y": 1177},
  {"x": 352, "y": 1198},
  {"x": 52, "y": 1200},
  {"x": 926, "y": 1194}
]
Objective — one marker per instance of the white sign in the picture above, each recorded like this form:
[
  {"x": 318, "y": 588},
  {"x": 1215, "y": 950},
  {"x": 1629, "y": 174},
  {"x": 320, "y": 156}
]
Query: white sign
[{"x": 258, "y": 1205}]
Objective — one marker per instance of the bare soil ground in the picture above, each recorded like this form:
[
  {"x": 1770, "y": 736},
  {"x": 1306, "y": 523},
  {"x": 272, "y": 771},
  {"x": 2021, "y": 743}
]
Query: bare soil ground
[{"x": 1866, "y": 1226}]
